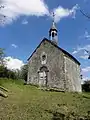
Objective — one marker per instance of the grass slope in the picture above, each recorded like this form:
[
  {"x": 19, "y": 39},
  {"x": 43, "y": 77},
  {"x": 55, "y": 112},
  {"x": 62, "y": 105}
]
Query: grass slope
[{"x": 29, "y": 103}]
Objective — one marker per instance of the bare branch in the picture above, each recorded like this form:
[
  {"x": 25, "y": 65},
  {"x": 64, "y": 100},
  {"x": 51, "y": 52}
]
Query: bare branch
[
  {"x": 85, "y": 14},
  {"x": 88, "y": 53},
  {"x": 2, "y": 6},
  {"x": 2, "y": 17}
]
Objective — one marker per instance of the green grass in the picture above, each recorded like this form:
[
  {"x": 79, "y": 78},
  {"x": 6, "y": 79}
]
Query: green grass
[{"x": 25, "y": 102}]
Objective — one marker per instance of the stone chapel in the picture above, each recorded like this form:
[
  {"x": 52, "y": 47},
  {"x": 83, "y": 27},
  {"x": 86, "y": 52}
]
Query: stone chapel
[{"x": 52, "y": 67}]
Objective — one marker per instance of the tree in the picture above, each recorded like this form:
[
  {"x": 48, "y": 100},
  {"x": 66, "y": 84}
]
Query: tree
[
  {"x": 86, "y": 86},
  {"x": 24, "y": 71},
  {"x": 4, "y": 72},
  {"x": 2, "y": 55}
]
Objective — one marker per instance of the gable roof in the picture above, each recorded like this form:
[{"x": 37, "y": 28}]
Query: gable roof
[{"x": 65, "y": 52}]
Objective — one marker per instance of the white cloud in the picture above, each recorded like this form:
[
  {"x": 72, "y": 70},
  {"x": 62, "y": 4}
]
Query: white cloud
[
  {"x": 13, "y": 45},
  {"x": 85, "y": 79},
  {"x": 85, "y": 57},
  {"x": 13, "y": 63},
  {"x": 24, "y": 22},
  {"x": 86, "y": 35},
  {"x": 79, "y": 49},
  {"x": 87, "y": 69},
  {"x": 16, "y": 8},
  {"x": 61, "y": 12},
  {"x": 75, "y": 52},
  {"x": 85, "y": 73}
]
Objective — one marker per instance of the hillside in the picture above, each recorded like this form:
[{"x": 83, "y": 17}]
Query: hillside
[{"x": 25, "y": 102}]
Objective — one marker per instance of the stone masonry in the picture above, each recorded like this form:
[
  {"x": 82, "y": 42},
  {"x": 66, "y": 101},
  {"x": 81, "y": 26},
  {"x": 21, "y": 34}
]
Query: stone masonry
[{"x": 52, "y": 67}]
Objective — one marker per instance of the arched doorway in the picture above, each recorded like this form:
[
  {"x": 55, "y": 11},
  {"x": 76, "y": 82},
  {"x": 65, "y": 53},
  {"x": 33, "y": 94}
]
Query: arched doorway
[{"x": 43, "y": 76}]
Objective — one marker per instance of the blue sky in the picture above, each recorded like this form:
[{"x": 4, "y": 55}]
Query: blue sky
[{"x": 27, "y": 23}]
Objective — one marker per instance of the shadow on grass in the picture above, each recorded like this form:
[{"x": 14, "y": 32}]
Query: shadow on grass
[
  {"x": 68, "y": 116},
  {"x": 87, "y": 97},
  {"x": 58, "y": 116}
]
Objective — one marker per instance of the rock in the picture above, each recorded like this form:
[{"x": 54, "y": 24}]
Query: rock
[
  {"x": 3, "y": 88},
  {"x": 3, "y": 94}
]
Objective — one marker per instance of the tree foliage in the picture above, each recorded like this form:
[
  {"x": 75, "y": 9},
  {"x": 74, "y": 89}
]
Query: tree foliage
[
  {"x": 13, "y": 74},
  {"x": 24, "y": 71},
  {"x": 4, "y": 72},
  {"x": 86, "y": 86},
  {"x": 2, "y": 55}
]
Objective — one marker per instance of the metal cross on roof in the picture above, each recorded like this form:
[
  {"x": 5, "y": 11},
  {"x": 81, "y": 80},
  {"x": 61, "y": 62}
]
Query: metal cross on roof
[{"x": 53, "y": 17}]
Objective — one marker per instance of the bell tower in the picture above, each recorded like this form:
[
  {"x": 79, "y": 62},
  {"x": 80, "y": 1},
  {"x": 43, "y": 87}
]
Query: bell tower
[{"x": 53, "y": 32}]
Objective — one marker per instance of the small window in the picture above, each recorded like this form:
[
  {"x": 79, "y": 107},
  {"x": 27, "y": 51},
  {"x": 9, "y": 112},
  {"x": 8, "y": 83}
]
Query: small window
[
  {"x": 53, "y": 34},
  {"x": 43, "y": 58}
]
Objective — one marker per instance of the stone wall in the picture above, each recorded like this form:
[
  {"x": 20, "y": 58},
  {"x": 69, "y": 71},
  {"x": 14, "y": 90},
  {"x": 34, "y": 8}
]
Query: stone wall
[
  {"x": 54, "y": 63},
  {"x": 72, "y": 75},
  {"x": 63, "y": 71}
]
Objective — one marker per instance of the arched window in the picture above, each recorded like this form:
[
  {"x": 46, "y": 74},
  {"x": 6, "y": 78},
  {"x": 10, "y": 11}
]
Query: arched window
[{"x": 44, "y": 68}]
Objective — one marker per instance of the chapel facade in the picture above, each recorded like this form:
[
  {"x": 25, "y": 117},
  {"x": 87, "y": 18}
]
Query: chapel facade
[{"x": 52, "y": 67}]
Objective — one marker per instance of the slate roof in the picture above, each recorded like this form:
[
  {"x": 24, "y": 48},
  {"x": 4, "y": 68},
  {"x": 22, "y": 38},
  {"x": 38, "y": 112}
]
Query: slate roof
[{"x": 65, "y": 52}]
